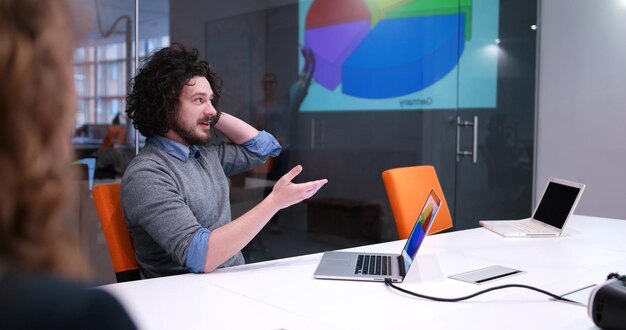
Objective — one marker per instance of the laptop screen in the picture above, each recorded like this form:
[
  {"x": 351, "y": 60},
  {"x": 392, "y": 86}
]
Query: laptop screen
[
  {"x": 557, "y": 203},
  {"x": 424, "y": 221}
]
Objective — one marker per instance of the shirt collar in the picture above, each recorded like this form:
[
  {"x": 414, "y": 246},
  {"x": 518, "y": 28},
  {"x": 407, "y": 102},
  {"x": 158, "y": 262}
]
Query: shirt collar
[{"x": 175, "y": 149}]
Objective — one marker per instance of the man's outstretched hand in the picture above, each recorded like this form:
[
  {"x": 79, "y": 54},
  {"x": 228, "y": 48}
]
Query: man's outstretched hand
[{"x": 286, "y": 193}]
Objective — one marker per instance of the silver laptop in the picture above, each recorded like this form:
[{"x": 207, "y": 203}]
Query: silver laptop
[
  {"x": 379, "y": 266},
  {"x": 554, "y": 209}
]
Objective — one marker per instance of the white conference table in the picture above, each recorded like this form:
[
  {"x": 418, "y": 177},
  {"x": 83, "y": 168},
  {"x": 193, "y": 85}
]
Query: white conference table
[{"x": 282, "y": 294}]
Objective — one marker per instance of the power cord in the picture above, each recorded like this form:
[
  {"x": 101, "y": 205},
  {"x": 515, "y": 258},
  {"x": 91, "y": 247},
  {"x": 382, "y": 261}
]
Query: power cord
[{"x": 389, "y": 283}]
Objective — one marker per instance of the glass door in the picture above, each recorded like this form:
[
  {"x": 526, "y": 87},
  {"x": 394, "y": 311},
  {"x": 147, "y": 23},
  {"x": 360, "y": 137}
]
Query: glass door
[{"x": 495, "y": 164}]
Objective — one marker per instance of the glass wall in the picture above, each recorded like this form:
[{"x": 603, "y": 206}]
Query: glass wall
[
  {"x": 103, "y": 138},
  {"x": 395, "y": 83},
  {"x": 350, "y": 88}
]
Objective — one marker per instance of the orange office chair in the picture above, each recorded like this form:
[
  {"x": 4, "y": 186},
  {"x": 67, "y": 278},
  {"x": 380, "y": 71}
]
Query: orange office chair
[
  {"x": 407, "y": 188},
  {"x": 109, "y": 207}
]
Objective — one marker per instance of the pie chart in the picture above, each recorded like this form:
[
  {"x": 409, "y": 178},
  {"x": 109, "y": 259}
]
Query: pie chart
[{"x": 385, "y": 48}]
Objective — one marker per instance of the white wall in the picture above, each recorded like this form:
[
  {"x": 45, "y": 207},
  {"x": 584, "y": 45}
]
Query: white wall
[{"x": 582, "y": 101}]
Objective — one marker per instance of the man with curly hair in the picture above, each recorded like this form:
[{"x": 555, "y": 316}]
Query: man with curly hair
[{"x": 175, "y": 193}]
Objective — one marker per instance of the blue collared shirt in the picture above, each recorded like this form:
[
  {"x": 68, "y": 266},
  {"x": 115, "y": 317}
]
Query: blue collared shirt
[{"x": 262, "y": 145}]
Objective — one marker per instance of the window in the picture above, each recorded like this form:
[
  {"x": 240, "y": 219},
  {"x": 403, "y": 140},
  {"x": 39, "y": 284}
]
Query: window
[{"x": 101, "y": 78}]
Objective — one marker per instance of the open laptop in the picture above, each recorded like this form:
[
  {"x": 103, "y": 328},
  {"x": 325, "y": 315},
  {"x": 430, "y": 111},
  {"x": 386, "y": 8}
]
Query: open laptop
[
  {"x": 379, "y": 266},
  {"x": 556, "y": 206}
]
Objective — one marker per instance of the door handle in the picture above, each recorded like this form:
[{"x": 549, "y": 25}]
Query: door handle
[{"x": 466, "y": 153}]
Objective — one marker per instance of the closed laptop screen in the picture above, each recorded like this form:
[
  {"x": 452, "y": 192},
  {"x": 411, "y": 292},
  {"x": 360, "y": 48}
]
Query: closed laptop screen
[{"x": 556, "y": 204}]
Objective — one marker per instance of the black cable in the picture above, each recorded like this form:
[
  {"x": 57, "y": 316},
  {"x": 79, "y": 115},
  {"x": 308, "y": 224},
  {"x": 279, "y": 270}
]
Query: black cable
[{"x": 389, "y": 283}]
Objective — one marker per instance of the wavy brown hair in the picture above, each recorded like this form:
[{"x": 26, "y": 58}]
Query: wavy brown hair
[{"x": 37, "y": 109}]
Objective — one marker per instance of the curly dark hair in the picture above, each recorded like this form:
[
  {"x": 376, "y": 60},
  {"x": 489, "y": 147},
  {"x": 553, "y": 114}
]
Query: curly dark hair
[{"x": 152, "y": 104}]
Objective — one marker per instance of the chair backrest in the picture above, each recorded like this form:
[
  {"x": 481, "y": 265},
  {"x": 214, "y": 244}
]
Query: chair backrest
[
  {"x": 109, "y": 207},
  {"x": 407, "y": 188}
]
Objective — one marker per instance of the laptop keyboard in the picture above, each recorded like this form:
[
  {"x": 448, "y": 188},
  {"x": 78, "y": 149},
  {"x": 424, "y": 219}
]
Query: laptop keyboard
[
  {"x": 528, "y": 227},
  {"x": 373, "y": 265}
]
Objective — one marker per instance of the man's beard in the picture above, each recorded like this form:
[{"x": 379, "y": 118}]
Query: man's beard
[{"x": 187, "y": 134}]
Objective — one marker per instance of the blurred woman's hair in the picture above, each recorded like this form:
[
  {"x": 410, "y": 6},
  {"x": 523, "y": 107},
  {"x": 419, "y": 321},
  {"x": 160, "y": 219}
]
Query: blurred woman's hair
[{"x": 37, "y": 111}]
